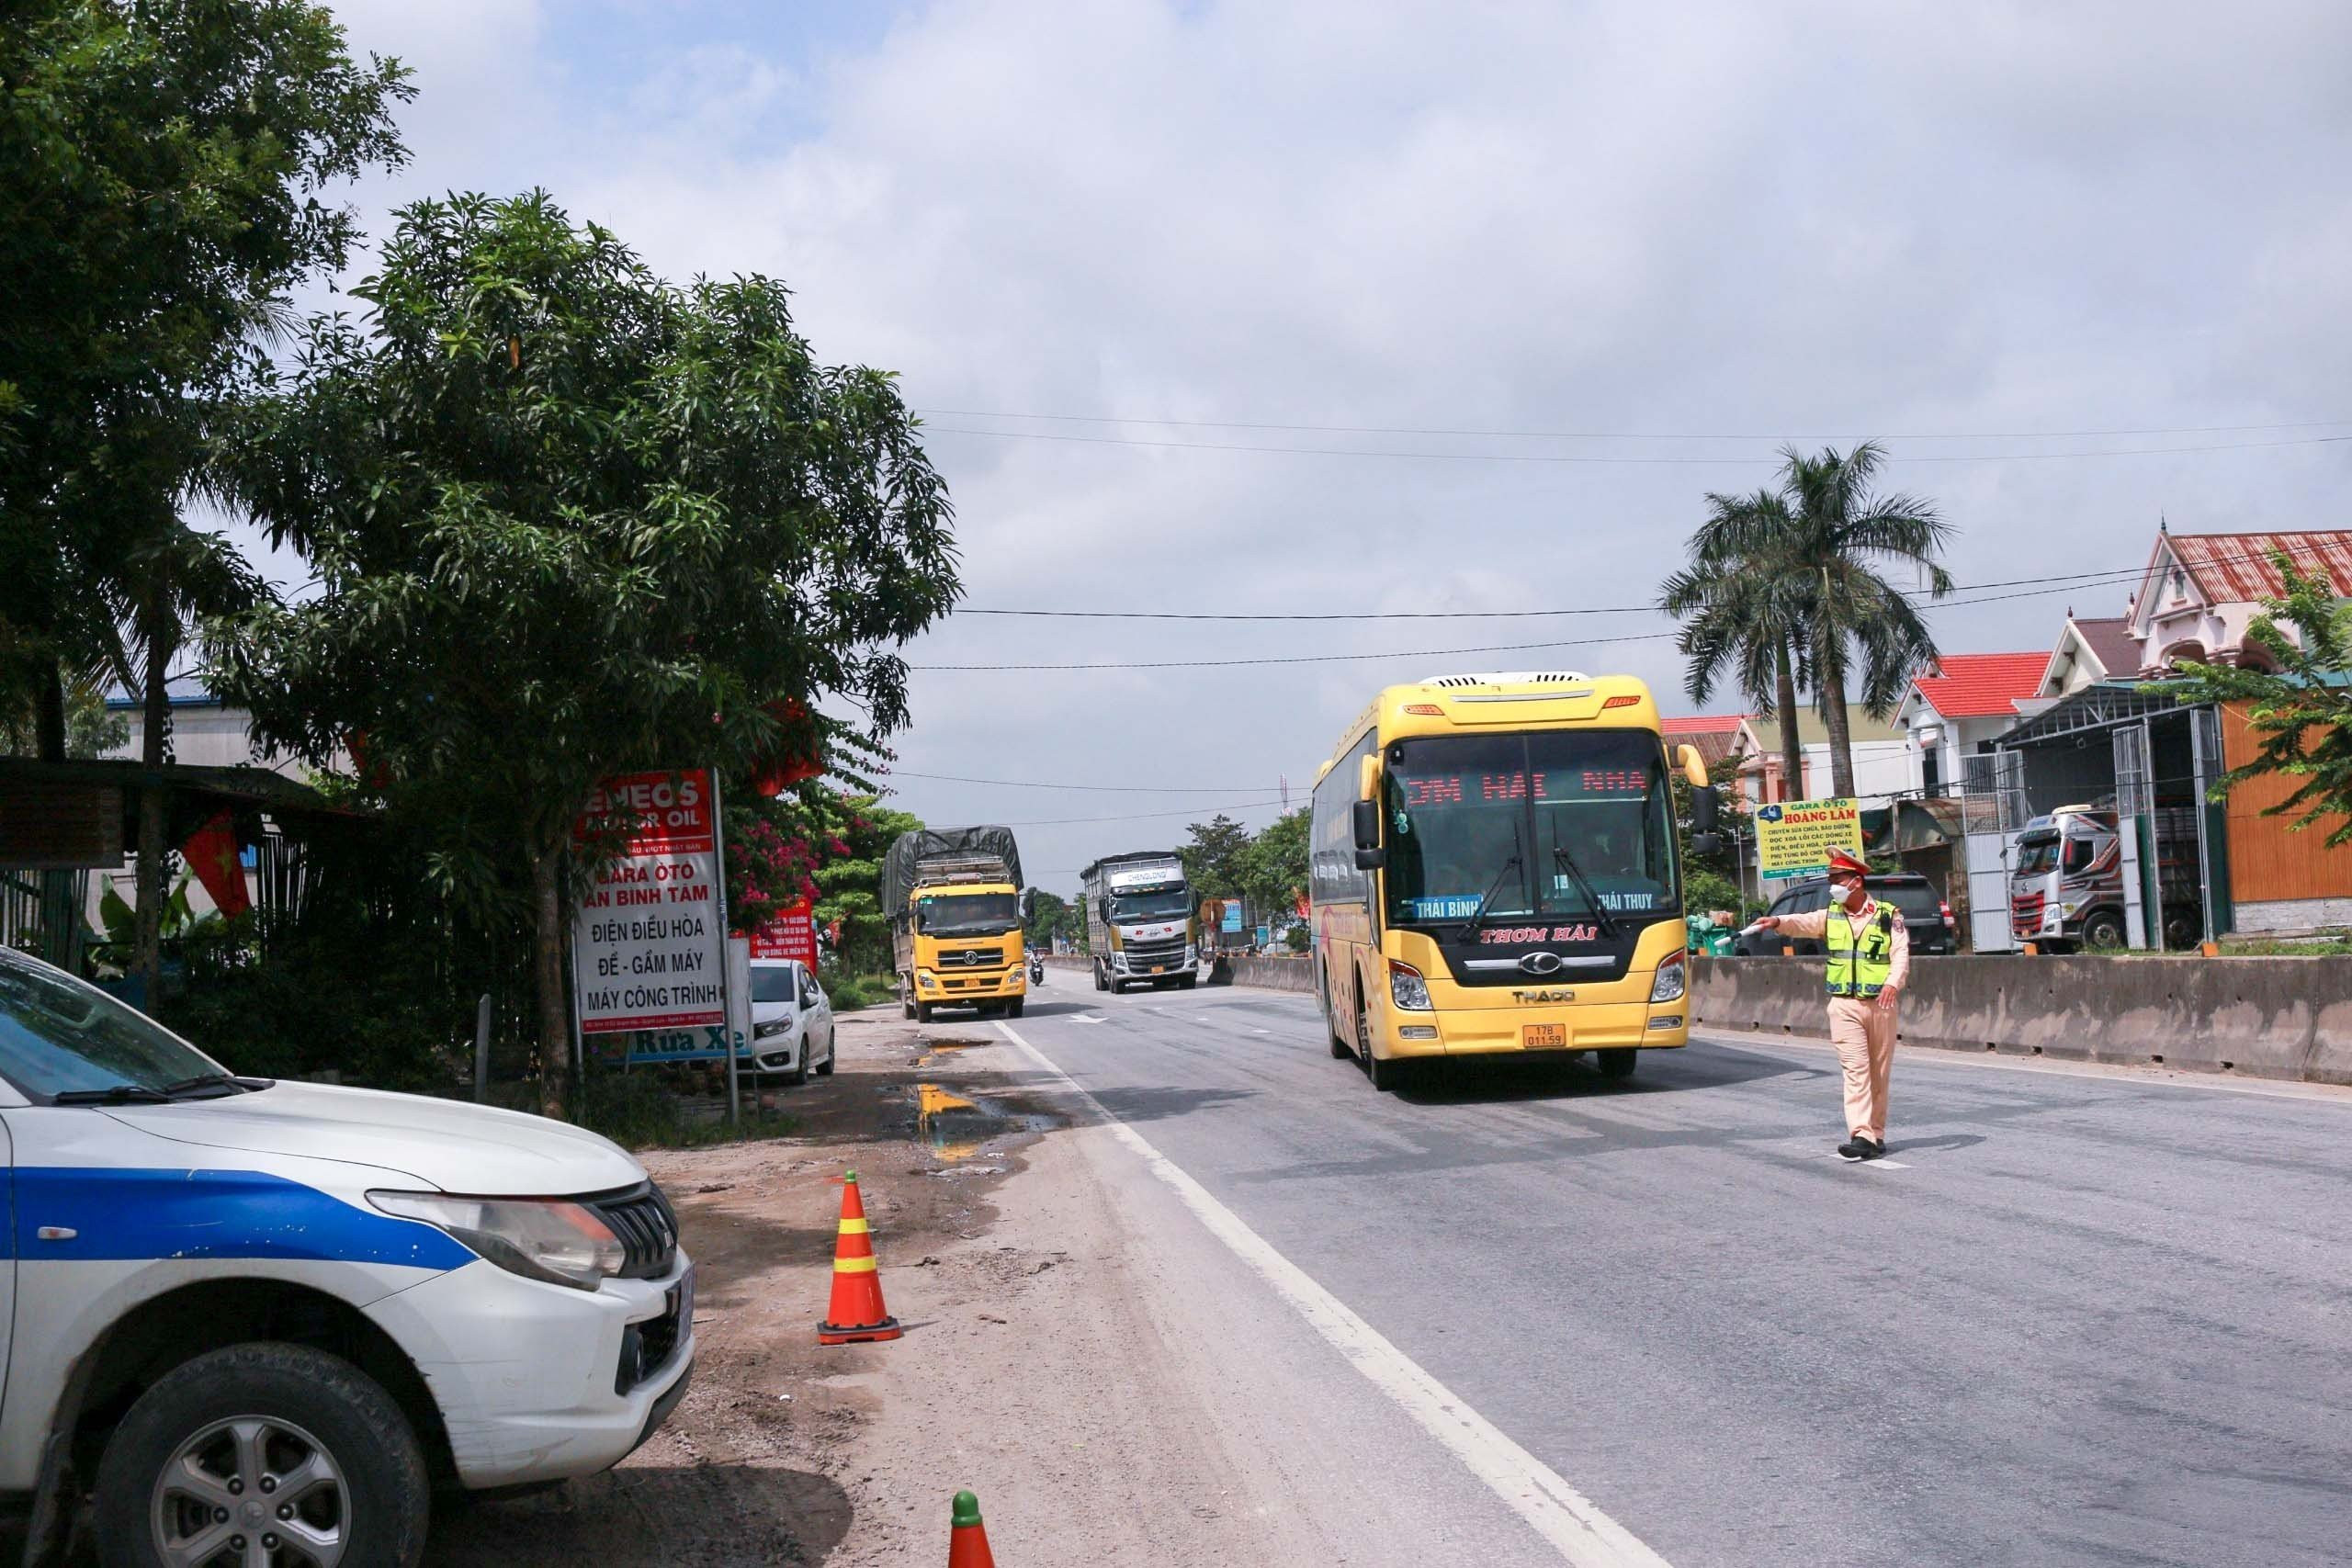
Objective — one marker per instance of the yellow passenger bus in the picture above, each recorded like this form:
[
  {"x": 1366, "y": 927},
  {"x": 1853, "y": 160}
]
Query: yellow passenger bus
[{"x": 1495, "y": 873}]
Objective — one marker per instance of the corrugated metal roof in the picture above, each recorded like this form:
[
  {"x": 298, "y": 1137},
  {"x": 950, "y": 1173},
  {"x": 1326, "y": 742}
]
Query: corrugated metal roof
[
  {"x": 1982, "y": 685},
  {"x": 2236, "y": 569}
]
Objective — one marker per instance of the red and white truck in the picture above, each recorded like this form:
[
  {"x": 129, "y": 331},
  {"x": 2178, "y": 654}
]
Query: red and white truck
[{"x": 2066, "y": 884}]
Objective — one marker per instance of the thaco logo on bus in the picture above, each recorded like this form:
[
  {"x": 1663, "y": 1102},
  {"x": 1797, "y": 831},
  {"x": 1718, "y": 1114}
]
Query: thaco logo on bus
[{"x": 1519, "y": 936}]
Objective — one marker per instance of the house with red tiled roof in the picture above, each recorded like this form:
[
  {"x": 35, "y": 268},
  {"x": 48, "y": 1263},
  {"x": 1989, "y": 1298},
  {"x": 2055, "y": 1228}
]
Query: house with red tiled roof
[
  {"x": 2200, "y": 592},
  {"x": 1716, "y": 736},
  {"x": 1963, "y": 704},
  {"x": 2090, "y": 650}
]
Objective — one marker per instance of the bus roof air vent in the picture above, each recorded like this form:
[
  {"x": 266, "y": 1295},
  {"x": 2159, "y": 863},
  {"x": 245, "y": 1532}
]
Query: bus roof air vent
[{"x": 1512, "y": 677}]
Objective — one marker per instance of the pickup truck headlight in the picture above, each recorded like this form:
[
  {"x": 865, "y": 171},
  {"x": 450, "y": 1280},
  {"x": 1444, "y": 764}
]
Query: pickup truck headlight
[
  {"x": 1671, "y": 979},
  {"x": 540, "y": 1238}
]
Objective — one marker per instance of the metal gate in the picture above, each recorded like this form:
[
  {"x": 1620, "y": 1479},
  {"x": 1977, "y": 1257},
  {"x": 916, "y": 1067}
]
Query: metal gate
[
  {"x": 2134, "y": 800},
  {"x": 1992, "y": 810}
]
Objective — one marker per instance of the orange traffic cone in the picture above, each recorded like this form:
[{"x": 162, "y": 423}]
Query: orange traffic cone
[
  {"x": 856, "y": 1312},
  {"x": 968, "y": 1543}
]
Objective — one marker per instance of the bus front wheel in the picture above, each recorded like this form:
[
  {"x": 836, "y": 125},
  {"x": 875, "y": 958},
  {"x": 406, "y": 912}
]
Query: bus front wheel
[
  {"x": 1615, "y": 1064},
  {"x": 1385, "y": 1076}
]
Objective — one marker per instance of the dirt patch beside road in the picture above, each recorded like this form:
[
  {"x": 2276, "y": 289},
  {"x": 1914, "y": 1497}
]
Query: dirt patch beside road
[{"x": 788, "y": 1452}]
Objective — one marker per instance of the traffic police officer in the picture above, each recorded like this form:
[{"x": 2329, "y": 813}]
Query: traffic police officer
[{"x": 1870, "y": 959}]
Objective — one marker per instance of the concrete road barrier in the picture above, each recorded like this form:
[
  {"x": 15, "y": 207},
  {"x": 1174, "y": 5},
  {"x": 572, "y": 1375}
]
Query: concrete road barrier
[
  {"x": 2272, "y": 1018},
  {"x": 2267, "y": 1018}
]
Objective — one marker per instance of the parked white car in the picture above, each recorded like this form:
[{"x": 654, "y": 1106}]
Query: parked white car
[
  {"x": 792, "y": 1021},
  {"x": 261, "y": 1321}
]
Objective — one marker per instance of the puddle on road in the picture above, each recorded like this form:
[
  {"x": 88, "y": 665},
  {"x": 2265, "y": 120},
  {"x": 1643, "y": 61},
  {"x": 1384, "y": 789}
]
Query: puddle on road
[
  {"x": 959, "y": 1126},
  {"x": 933, "y": 1049}
]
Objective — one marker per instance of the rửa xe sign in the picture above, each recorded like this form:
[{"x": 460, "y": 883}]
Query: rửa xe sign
[{"x": 649, "y": 944}]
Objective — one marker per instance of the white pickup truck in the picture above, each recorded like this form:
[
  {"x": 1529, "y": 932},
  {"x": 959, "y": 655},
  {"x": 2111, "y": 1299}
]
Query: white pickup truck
[{"x": 256, "y": 1323}]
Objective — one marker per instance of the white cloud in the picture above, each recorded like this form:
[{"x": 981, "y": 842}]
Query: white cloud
[{"x": 1833, "y": 219}]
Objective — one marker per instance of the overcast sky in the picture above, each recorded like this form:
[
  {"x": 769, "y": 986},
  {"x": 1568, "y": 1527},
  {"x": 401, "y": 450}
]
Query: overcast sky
[{"x": 1664, "y": 238}]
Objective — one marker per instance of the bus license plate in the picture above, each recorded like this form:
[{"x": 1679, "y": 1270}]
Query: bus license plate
[{"x": 1543, "y": 1036}]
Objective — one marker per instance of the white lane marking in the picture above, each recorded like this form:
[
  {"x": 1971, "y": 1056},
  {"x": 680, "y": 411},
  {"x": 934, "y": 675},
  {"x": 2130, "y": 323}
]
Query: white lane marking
[
  {"x": 1090, "y": 1018},
  {"x": 1881, "y": 1161},
  {"x": 1564, "y": 1516}
]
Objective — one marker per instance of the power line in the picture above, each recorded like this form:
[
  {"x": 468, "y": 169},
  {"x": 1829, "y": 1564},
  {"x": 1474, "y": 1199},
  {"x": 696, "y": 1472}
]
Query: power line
[
  {"x": 1145, "y": 816},
  {"x": 2080, "y": 579},
  {"x": 1107, "y": 789},
  {"x": 1632, "y": 434},
  {"x": 1615, "y": 460}
]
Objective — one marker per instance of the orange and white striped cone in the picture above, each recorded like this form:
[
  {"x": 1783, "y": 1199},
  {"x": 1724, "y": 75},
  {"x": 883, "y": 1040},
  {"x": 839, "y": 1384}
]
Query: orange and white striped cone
[
  {"x": 856, "y": 1312},
  {"x": 968, "y": 1541}
]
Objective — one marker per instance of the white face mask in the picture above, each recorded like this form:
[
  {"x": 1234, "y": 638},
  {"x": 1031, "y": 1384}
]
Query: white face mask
[{"x": 1850, "y": 894}]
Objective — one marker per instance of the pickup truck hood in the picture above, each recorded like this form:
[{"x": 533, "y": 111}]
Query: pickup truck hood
[{"x": 445, "y": 1144}]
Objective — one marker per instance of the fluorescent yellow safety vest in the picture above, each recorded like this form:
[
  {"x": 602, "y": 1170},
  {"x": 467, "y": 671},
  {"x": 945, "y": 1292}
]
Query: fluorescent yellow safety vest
[{"x": 1863, "y": 972}]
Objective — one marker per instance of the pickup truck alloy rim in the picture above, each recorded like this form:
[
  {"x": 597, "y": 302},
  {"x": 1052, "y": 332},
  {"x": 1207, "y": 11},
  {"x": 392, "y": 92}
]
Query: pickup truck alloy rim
[{"x": 252, "y": 1491}]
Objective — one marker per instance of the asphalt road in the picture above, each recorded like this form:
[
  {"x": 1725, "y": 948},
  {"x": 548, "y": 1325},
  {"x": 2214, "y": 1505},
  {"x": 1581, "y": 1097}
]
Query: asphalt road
[{"x": 2077, "y": 1317}]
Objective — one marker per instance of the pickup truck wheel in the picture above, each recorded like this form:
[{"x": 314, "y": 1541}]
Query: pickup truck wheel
[{"x": 263, "y": 1452}]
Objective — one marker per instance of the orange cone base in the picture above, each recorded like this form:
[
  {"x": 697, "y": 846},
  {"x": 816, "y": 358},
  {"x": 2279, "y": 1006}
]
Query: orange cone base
[{"x": 847, "y": 1333}]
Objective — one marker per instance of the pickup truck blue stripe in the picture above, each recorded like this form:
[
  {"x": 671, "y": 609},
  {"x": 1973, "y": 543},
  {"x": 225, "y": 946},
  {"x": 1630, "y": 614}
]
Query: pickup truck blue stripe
[{"x": 140, "y": 1213}]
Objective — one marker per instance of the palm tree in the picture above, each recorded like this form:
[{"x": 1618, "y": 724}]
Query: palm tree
[
  {"x": 1802, "y": 563},
  {"x": 171, "y": 577},
  {"x": 1739, "y": 625}
]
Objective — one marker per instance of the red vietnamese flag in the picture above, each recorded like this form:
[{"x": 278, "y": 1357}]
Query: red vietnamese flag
[{"x": 212, "y": 854}]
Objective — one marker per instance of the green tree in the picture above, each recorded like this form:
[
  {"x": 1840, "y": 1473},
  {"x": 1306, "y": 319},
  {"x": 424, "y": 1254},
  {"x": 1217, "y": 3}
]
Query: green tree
[
  {"x": 1213, "y": 861},
  {"x": 1273, "y": 868},
  {"x": 1803, "y": 564},
  {"x": 1051, "y": 916},
  {"x": 163, "y": 164},
  {"x": 1740, "y": 627},
  {"x": 92, "y": 729},
  {"x": 2303, "y": 711},
  {"x": 850, "y": 886},
  {"x": 570, "y": 521}
]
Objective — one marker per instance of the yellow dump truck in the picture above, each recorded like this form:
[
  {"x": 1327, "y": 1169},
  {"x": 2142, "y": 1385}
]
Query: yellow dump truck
[{"x": 956, "y": 907}]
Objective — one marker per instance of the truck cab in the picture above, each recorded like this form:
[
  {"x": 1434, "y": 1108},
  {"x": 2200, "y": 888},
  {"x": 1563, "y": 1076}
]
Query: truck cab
[
  {"x": 1142, "y": 922},
  {"x": 961, "y": 943},
  {"x": 2067, "y": 884}
]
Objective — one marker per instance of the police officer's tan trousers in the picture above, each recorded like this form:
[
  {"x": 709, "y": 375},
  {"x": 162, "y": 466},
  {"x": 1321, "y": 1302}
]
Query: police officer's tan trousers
[{"x": 1864, "y": 1034}]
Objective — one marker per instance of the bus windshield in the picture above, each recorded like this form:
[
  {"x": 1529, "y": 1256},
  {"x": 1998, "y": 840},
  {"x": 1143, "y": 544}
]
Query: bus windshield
[
  {"x": 1158, "y": 904},
  {"x": 1553, "y": 824}
]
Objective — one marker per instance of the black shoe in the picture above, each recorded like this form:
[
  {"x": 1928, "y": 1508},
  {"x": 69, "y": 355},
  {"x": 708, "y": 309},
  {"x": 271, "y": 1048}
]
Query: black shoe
[
  {"x": 1858, "y": 1149},
  {"x": 1878, "y": 1148}
]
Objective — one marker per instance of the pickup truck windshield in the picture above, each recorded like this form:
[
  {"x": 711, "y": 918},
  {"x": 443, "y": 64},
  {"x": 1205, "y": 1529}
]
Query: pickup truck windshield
[
  {"x": 58, "y": 1036},
  {"x": 967, "y": 914}
]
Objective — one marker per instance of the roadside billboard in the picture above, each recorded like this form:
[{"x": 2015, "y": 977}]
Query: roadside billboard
[
  {"x": 648, "y": 941},
  {"x": 1793, "y": 838},
  {"x": 791, "y": 932}
]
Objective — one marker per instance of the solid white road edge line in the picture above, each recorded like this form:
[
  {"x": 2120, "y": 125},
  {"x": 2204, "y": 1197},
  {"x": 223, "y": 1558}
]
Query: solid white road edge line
[{"x": 1564, "y": 1516}]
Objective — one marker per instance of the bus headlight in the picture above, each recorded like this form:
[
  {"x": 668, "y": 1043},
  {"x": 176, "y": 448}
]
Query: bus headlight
[
  {"x": 1671, "y": 981},
  {"x": 1407, "y": 988}
]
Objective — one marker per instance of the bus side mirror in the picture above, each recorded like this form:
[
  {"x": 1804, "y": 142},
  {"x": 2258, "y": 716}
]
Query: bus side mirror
[
  {"x": 1706, "y": 807},
  {"x": 1708, "y": 844},
  {"x": 1367, "y": 823}
]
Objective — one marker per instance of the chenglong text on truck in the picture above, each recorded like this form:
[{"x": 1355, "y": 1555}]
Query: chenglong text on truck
[
  {"x": 1140, "y": 921},
  {"x": 953, "y": 899},
  {"x": 1494, "y": 871}
]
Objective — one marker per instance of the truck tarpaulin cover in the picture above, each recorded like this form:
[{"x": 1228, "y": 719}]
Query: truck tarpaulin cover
[{"x": 900, "y": 867}]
